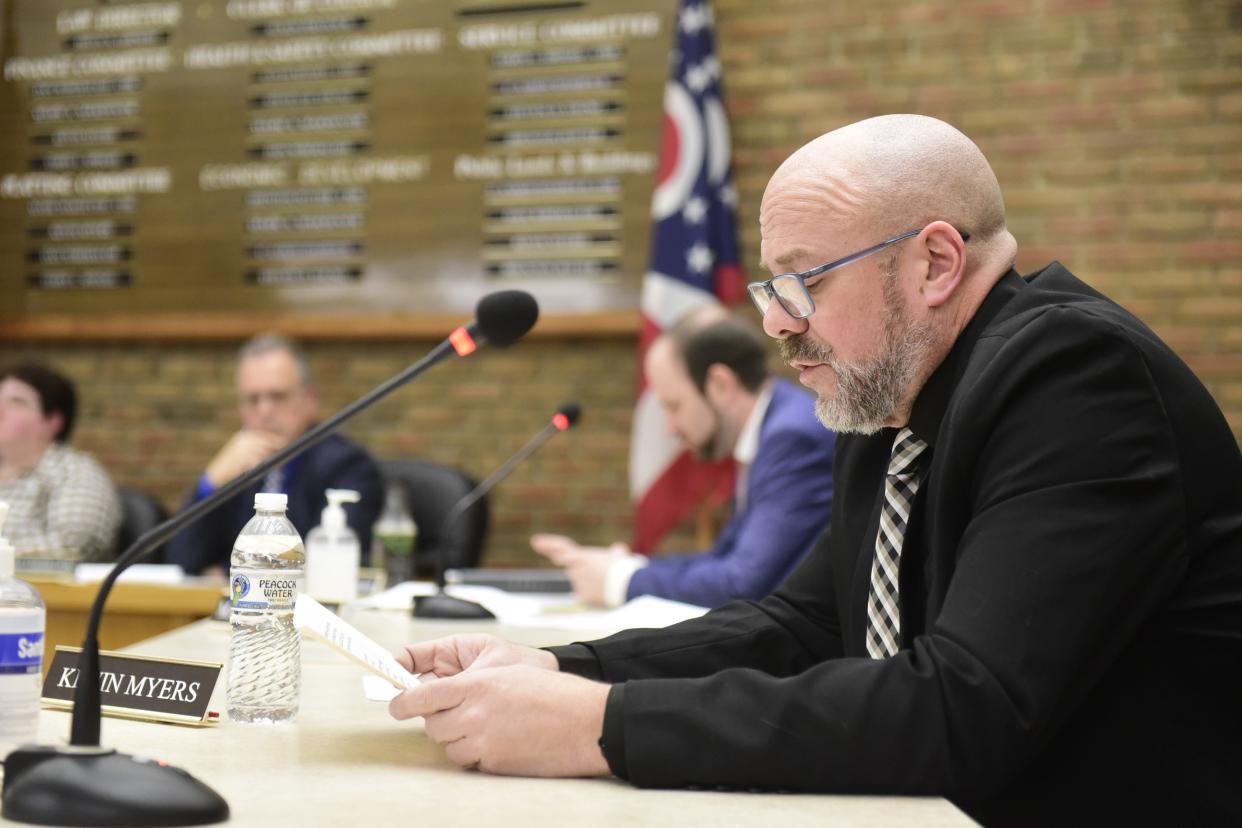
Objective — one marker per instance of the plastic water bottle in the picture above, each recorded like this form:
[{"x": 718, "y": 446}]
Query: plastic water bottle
[
  {"x": 22, "y": 620},
  {"x": 395, "y": 537},
  {"x": 265, "y": 653}
]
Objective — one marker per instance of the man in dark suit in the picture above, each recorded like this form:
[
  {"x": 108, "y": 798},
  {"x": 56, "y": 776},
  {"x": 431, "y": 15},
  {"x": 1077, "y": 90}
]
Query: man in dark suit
[
  {"x": 710, "y": 374},
  {"x": 1029, "y": 599},
  {"x": 278, "y": 403}
]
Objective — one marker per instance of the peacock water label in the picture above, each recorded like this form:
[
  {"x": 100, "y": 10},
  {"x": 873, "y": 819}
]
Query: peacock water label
[{"x": 265, "y": 589}]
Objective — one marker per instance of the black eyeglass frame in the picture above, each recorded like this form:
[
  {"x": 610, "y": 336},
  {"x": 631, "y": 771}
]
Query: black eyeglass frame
[{"x": 762, "y": 293}]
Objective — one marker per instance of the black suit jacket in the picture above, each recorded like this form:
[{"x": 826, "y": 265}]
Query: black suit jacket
[
  {"x": 1071, "y": 600},
  {"x": 335, "y": 463}
]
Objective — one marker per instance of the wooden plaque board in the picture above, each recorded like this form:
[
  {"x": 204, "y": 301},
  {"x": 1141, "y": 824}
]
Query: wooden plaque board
[{"x": 205, "y": 168}]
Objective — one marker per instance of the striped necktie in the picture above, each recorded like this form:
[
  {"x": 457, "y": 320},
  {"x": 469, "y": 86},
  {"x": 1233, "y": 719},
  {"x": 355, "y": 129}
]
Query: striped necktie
[{"x": 900, "y": 484}]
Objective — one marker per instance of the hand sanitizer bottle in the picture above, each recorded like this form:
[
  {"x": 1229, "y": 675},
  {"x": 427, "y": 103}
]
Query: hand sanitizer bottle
[
  {"x": 333, "y": 553},
  {"x": 22, "y": 619}
]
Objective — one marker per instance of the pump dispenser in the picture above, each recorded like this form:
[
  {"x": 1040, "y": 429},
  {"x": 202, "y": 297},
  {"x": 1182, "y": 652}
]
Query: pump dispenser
[{"x": 333, "y": 553}]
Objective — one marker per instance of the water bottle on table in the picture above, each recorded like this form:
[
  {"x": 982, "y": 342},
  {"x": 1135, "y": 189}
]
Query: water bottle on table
[
  {"x": 22, "y": 620},
  {"x": 265, "y": 652},
  {"x": 396, "y": 536}
]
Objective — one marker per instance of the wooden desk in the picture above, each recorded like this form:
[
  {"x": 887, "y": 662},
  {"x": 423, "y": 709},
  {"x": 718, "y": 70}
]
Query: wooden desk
[
  {"x": 345, "y": 762},
  {"x": 135, "y": 612}
]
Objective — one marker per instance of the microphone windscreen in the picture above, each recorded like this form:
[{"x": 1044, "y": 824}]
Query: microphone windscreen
[
  {"x": 505, "y": 316},
  {"x": 571, "y": 412}
]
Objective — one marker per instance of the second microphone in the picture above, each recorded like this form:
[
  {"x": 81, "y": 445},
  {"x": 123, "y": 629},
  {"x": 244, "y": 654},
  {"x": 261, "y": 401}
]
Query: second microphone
[{"x": 442, "y": 605}]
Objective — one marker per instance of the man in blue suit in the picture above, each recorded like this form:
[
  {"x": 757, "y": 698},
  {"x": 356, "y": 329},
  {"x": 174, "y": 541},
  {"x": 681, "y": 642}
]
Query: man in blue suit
[
  {"x": 278, "y": 403},
  {"x": 710, "y": 373}
]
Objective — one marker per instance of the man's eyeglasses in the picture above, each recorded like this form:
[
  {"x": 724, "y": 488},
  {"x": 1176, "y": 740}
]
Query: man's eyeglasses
[
  {"x": 276, "y": 397},
  {"x": 790, "y": 288}
]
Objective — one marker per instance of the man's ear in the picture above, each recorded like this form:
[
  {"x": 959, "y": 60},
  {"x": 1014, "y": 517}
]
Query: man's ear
[
  {"x": 946, "y": 253},
  {"x": 720, "y": 384}
]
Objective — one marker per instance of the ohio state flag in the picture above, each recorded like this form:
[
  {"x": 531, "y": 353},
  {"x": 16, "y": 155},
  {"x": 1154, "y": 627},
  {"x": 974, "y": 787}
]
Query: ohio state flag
[{"x": 694, "y": 261}]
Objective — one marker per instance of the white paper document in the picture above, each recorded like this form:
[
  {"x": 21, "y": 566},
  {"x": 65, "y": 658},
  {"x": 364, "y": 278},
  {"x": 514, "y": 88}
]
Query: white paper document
[
  {"x": 138, "y": 573},
  {"x": 377, "y": 689},
  {"x": 551, "y": 611},
  {"x": 312, "y": 617},
  {"x": 643, "y": 611}
]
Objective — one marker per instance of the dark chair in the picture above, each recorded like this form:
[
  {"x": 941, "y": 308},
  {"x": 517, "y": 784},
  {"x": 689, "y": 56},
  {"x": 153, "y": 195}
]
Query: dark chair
[
  {"x": 431, "y": 490},
  {"x": 140, "y": 512}
]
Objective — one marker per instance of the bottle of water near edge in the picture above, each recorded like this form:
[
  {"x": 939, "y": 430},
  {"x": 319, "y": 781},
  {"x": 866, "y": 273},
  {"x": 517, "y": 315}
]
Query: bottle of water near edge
[
  {"x": 394, "y": 537},
  {"x": 265, "y": 654},
  {"x": 22, "y": 620}
]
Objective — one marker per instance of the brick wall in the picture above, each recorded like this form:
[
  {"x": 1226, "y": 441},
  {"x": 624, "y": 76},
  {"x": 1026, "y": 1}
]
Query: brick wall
[
  {"x": 1115, "y": 129},
  {"x": 1114, "y": 126},
  {"x": 154, "y": 415}
]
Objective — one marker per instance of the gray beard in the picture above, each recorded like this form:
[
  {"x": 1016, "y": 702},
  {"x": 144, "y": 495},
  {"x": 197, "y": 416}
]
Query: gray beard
[{"x": 869, "y": 394}]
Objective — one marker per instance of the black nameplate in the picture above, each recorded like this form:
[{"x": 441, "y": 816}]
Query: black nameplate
[{"x": 137, "y": 687}]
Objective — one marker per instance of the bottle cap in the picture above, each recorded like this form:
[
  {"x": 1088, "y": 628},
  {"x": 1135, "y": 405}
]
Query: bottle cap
[{"x": 271, "y": 500}]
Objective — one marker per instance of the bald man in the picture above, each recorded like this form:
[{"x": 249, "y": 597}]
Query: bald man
[
  {"x": 1030, "y": 597},
  {"x": 710, "y": 374}
]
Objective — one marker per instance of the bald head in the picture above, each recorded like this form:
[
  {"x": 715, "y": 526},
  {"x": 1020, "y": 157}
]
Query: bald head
[{"x": 894, "y": 173}]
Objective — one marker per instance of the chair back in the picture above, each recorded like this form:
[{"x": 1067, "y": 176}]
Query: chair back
[
  {"x": 140, "y": 512},
  {"x": 431, "y": 490}
]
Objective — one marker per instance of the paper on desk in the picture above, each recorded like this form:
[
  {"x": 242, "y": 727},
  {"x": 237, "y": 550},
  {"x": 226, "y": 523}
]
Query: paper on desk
[
  {"x": 377, "y": 689},
  {"x": 138, "y": 573},
  {"x": 555, "y": 611},
  {"x": 643, "y": 611},
  {"x": 506, "y": 606},
  {"x": 312, "y": 617},
  {"x": 398, "y": 597}
]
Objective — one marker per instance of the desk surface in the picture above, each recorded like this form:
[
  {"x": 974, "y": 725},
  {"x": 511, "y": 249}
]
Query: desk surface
[
  {"x": 136, "y": 611},
  {"x": 346, "y": 762}
]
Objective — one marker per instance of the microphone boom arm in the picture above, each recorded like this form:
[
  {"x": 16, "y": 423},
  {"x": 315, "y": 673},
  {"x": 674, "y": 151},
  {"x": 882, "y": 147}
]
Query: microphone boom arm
[
  {"x": 459, "y": 508},
  {"x": 441, "y": 604},
  {"x": 85, "y": 784},
  {"x": 84, "y": 731}
]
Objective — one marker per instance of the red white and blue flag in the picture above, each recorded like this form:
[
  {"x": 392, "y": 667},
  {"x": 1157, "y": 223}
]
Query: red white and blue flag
[{"x": 694, "y": 261}]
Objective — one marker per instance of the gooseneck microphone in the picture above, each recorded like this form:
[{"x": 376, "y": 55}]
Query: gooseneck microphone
[
  {"x": 85, "y": 784},
  {"x": 443, "y": 605}
]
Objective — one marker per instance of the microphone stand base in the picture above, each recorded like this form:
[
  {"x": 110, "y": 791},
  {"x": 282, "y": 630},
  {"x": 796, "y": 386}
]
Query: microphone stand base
[
  {"x": 55, "y": 785},
  {"x": 442, "y": 605}
]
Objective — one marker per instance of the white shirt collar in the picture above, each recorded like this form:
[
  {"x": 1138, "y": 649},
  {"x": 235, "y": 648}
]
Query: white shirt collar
[{"x": 747, "y": 445}]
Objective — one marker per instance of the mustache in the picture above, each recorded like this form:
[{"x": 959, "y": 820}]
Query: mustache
[{"x": 802, "y": 348}]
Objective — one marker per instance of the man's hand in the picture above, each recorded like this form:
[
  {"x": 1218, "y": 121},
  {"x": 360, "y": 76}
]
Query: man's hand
[
  {"x": 586, "y": 566},
  {"x": 557, "y": 548},
  {"x": 517, "y": 720},
  {"x": 455, "y": 654},
  {"x": 244, "y": 450}
]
